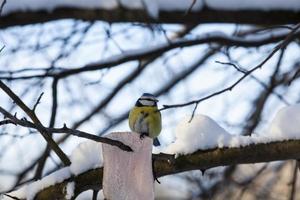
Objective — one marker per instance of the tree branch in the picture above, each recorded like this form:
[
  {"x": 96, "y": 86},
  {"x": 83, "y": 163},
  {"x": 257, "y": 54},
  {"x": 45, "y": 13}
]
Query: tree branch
[
  {"x": 202, "y": 159},
  {"x": 121, "y": 14},
  {"x": 220, "y": 39},
  {"x": 64, "y": 129},
  {"x": 280, "y": 46},
  {"x": 64, "y": 158},
  {"x": 2, "y": 6}
]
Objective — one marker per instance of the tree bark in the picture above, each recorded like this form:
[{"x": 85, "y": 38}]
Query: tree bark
[{"x": 207, "y": 15}]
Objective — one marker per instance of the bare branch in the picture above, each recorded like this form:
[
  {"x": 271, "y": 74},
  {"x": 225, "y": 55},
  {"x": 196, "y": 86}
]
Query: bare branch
[
  {"x": 64, "y": 158},
  {"x": 282, "y": 45},
  {"x": 67, "y": 130},
  {"x": 2, "y": 6},
  {"x": 221, "y": 39},
  {"x": 37, "y": 101}
]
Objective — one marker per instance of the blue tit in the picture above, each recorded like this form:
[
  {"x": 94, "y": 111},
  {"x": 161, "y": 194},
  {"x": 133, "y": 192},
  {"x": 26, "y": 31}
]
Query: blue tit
[{"x": 145, "y": 118}]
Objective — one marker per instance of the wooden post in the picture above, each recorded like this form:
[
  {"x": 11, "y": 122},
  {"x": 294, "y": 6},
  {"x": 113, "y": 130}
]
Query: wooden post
[{"x": 128, "y": 175}]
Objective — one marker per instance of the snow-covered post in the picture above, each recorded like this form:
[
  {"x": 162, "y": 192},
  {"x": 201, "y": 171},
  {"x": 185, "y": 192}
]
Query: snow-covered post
[{"x": 128, "y": 175}]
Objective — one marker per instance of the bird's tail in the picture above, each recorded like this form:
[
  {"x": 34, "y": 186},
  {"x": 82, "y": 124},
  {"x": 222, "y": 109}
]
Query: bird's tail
[{"x": 156, "y": 142}]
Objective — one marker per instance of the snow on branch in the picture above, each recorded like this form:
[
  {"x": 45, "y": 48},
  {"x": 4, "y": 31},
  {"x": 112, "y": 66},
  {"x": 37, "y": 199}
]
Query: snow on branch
[
  {"x": 201, "y": 160},
  {"x": 200, "y": 145}
]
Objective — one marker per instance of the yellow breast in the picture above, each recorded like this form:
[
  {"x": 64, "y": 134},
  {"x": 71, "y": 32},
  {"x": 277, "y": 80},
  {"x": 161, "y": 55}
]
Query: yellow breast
[{"x": 145, "y": 119}]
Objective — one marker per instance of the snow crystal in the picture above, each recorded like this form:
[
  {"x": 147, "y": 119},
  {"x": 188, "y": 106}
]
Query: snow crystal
[{"x": 87, "y": 155}]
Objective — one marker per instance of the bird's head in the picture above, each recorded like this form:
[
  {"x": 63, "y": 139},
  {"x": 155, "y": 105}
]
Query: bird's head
[{"x": 147, "y": 100}]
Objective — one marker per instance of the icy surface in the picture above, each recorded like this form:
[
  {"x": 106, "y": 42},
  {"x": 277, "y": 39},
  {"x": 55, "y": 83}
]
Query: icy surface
[
  {"x": 153, "y": 7},
  {"x": 87, "y": 155}
]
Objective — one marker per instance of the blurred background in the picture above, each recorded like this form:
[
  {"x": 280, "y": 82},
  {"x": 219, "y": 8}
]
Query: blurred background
[{"x": 39, "y": 49}]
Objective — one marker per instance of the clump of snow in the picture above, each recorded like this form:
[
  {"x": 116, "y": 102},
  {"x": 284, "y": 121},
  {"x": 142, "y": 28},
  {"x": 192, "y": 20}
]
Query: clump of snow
[
  {"x": 286, "y": 123},
  {"x": 201, "y": 133},
  {"x": 87, "y": 155},
  {"x": 204, "y": 133},
  {"x": 70, "y": 190}
]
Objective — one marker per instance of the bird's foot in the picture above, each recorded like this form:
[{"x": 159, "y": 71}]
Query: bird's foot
[
  {"x": 142, "y": 135},
  {"x": 156, "y": 179}
]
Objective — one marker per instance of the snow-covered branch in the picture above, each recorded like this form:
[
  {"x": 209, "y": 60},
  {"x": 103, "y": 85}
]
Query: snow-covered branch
[
  {"x": 200, "y": 145},
  {"x": 262, "y": 14},
  {"x": 200, "y": 160}
]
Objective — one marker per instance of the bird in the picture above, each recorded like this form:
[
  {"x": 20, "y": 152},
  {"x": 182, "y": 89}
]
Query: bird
[{"x": 145, "y": 118}]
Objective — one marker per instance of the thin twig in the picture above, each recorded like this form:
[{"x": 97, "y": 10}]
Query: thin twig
[
  {"x": 116, "y": 60},
  {"x": 293, "y": 183},
  {"x": 242, "y": 70},
  {"x": 64, "y": 158},
  {"x": 2, "y": 6},
  {"x": 37, "y": 102},
  {"x": 282, "y": 45},
  {"x": 2, "y": 48},
  {"x": 43, "y": 159},
  {"x": 233, "y": 65},
  {"x": 10, "y": 196},
  {"x": 67, "y": 130},
  {"x": 190, "y": 8}
]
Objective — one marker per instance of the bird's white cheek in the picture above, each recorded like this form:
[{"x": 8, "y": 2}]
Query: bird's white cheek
[{"x": 147, "y": 102}]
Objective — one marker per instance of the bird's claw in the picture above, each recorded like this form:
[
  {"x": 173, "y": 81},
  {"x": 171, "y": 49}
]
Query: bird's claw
[
  {"x": 142, "y": 135},
  {"x": 156, "y": 179}
]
